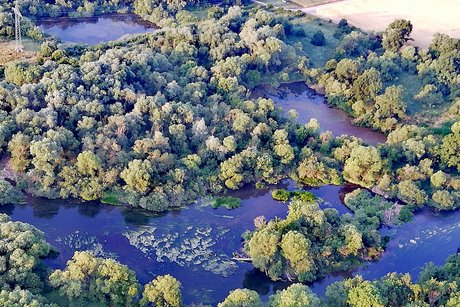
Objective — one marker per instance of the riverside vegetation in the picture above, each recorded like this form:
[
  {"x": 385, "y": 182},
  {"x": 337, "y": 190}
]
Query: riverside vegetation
[{"x": 159, "y": 120}]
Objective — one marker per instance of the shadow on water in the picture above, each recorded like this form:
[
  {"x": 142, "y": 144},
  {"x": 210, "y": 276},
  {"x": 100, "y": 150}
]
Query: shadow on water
[
  {"x": 196, "y": 244},
  {"x": 95, "y": 30},
  {"x": 309, "y": 104}
]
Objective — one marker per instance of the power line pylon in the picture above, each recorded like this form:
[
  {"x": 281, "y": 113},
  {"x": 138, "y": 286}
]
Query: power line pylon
[{"x": 17, "y": 28}]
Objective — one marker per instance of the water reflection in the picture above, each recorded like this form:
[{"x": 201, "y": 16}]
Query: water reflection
[
  {"x": 309, "y": 104},
  {"x": 194, "y": 244},
  {"x": 95, "y": 30},
  {"x": 153, "y": 244}
]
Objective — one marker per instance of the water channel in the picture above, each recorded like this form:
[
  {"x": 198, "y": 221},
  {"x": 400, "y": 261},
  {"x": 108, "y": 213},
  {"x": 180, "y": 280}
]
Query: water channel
[{"x": 195, "y": 244}]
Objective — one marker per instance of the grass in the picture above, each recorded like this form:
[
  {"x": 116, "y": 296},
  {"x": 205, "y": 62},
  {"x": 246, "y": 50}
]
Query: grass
[
  {"x": 111, "y": 198},
  {"x": 228, "y": 202},
  {"x": 288, "y": 5},
  {"x": 317, "y": 55},
  {"x": 412, "y": 85},
  {"x": 296, "y": 4},
  {"x": 443, "y": 129},
  {"x": 284, "y": 195}
]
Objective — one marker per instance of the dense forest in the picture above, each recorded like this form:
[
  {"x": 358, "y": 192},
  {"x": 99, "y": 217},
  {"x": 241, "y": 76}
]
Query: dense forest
[{"x": 160, "y": 120}]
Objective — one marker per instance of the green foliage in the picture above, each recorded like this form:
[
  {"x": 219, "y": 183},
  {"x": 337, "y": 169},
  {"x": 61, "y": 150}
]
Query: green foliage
[
  {"x": 281, "y": 195},
  {"x": 164, "y": 291},
  {"x": 229, "y": 202},
  {"x": 318, "y": 38},
  {"x": 90, "y": 279},
  {"x": 296, "y": 295},
  {"x": 397, "y": 34},
  {"x": 364, "y": 166},
  {"x": 405, "y": 214},
  {"x": 23, "y": 248},
  {"x": 284, "y": 195},
  {"x": 9, "y": 194},
  {"x": 242, "y": 297},
  {"x": 21, "y": 73},
  {"x": 111, "y": 197},
  {"x": 286, "y": 248},
  {"x": 450, "y": 147},
  {"x": 76, "y": 8},
  {"x": 23, "y": 298}
]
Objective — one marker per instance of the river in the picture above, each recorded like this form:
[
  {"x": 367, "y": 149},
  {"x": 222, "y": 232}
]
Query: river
[{"x": 195, "y": 244}]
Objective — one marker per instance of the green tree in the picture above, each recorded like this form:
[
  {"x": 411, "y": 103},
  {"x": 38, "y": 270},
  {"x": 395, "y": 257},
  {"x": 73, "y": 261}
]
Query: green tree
[
  {"x": 367, "y": 85},
  {"x": 296, "y": 295},
  {"x": 242, "y": 298},
  {"x": 9, "y": 194},
  {"x": 318, "y": 38},
  {"x": 137, "y": 175},
  {"x": 450, "y": 147},
  {"x": 88, "y": 163},
  {"x": 163, "y": 291},
  {"x": 264, "y": 251},
  {"x": 296, "y": 249},
  {"x": 19, "y": 148},
  {"x": 362, "y": 293},
  {"x": 353, "y": 240},
  {"x": 90, "y": 279},
  {"x": 364, "y": 166},
  {"x": 397, "y": 34},
  {"x": 410, "y": 192},
  {"x": 23, "y": 298},
  {"x": 22, "y": 249},
  {"x": 396, "y": 289}
]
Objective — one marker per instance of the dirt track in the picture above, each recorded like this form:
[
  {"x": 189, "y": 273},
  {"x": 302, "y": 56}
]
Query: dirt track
[{"x": 427, "y": 16}]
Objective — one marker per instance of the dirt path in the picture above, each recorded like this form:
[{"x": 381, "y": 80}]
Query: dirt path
[{"x": 427, "y": 16}]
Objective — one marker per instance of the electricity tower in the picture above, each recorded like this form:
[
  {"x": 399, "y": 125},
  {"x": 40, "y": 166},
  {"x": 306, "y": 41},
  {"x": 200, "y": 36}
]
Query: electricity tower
[{"x": 17, "y": 28}]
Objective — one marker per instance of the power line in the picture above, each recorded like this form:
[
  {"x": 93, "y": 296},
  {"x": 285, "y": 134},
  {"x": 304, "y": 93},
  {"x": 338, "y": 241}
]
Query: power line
[{"x": 17, "y": 28}]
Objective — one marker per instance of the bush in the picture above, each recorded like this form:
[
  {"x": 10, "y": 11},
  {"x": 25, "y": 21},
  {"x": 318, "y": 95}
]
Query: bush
[
  {"x": 318, "y": 39},
  {"x": 228, "y": 202},
  {"x": 283, "y": 195},
  {"x": 9, "y": 194},
  {"x": 280, "y": 195},
  {"x": 405, "y": 215}
]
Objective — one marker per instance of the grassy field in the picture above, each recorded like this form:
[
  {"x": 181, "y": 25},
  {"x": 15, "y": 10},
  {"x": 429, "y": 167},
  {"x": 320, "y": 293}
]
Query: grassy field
[
  {"x": 8, "y": 52},
  {"x": 427, "y": 16}
]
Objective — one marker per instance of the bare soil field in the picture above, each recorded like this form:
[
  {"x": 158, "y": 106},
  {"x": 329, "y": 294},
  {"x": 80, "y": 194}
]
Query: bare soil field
[
  {"x": 8, "y": 52},
  {"x": 427, "y": 16}
]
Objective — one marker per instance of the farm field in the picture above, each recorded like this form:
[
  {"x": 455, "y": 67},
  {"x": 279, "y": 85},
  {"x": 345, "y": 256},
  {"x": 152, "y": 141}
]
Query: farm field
[{"x": 428, "y": 16}]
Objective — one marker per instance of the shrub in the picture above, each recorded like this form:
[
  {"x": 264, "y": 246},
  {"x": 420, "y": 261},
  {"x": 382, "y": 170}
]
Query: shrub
[{"x": 318, "y": 39}]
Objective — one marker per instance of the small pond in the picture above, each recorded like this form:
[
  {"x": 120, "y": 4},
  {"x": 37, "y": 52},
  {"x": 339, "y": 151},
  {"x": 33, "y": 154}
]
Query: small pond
[{"x": 94, "y": 30}]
